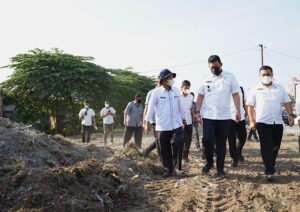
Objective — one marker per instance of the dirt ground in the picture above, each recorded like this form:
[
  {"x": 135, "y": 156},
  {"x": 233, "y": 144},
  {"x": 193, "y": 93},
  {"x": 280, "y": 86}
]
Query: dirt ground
[{"x": 113, "y": 179}]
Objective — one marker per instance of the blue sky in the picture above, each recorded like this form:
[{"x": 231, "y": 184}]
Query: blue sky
[{"x": 152, "y": 35}]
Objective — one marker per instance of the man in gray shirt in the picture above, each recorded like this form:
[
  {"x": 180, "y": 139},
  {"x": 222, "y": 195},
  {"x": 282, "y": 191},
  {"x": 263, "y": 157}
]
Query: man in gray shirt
[{"x": 133, "y": 116}]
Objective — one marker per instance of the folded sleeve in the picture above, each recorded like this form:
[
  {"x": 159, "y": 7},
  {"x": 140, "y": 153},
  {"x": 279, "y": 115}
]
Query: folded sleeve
[
  {"x": 251, "y": 98},
  {"x": 235, "y": 87}
]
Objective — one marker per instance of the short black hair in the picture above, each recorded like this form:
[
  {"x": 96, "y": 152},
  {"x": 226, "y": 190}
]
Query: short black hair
[
  {"x": 266, "y": 68},
  {"x": 214, "y": 58},
  {"x": 192, "y": 93},
  {"x": 185, "y": 82},
  {"x": 137, "y": 95}
]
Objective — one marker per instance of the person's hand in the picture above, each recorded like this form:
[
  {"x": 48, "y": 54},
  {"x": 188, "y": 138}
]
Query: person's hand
[
  {"x": 253, "y": 125},
  {"x": 125, "y": 123},
  {"x": 147, "y": 127},
  {"x": 238, "y": 117},
  {"x": 291, "y": 121},
  {"x": 199, "y": 118},
  {"x": 95, "y": 127},
  {"x": 184, "y": 123}
]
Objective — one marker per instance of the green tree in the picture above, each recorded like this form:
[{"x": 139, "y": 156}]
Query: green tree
[{"x": 53, "y": 83}]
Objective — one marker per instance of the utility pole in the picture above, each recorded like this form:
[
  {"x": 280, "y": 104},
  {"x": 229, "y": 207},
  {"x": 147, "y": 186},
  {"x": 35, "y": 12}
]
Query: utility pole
[{"x": 262, "y": 53}]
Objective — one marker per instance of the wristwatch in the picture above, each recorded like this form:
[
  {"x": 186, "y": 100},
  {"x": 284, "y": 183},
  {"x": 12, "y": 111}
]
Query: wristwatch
[{"x": 293, "y": 115}]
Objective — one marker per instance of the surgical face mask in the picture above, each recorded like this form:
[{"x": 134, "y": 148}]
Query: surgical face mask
[
  {"x": 216, "y": 71},
  {"x": 266, "y": 80},
  {"x": 106, "y": 105},
  {"x": 186, "y": 91},
  {"x": 170, "y": 82}
]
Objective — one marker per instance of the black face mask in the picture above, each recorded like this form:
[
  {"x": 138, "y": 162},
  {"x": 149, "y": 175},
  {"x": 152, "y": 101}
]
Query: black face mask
[
  {"x": 216, "y": 71},
  {"x": 139, "y": 101}
]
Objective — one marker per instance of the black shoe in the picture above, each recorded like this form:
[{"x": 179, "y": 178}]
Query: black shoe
[
  {"x": 241, "y": 158},
  {"x": 221, "y": 173},
  {"x": 256, "y": 139},
  {"x": 206, "y": 168},
  {"x": 167, "y": 174},
  {"x": 234, "y": 164},
  {"x": 145, "y": 153},
  {"x": 269, "y": 177},
  {"x": 203, "y": 155}
]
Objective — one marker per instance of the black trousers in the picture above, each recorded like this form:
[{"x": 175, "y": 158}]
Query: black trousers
[
  {"x": 215, "y": 132},
  {"x": 169, "y": 142},
  {"x": 154, "y": 144},
  {"x": 138, "y": 133},
  {"x": 236, "y": 130},
  {"x": 187, "y": 140},
  {"x": 86, "y": 133},
  {"x": 270, "y": 141}
]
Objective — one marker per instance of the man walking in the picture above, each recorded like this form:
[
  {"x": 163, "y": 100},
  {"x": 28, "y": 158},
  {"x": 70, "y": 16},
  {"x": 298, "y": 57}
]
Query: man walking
[
  {"x": 87, "y": 117},
  {"x": 108, "y": 114},
  {"x": 186, "y": 100},
  {"x": 133, "y": 116},
  {"x": 267, "y": 98},
  {"x": 170, "y": 118},
  {"x": 237, "y": 129},
  {"x": 214, "y": 111}
]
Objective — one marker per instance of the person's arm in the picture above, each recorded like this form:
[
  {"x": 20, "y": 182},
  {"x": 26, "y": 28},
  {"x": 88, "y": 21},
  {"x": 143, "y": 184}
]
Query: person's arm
[
  {"x": 182, "y": 113},
  {"x": 236, "y": 100},
  {"x": 251, "y": 116},
  {"x": 200, "y": 99},
  {"x": 81, "y": 115},
  {"x": 288, "y": 107},
  {"x": 150, "y": 111},
  {"x": 127, "y": 110}
]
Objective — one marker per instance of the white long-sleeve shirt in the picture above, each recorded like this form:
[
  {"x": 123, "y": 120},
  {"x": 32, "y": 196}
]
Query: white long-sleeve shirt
[{"x": 167, "y": 108}]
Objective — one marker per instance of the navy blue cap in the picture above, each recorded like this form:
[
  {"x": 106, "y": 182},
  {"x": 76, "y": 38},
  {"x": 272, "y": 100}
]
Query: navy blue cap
[{"x": 164, "y": 74}]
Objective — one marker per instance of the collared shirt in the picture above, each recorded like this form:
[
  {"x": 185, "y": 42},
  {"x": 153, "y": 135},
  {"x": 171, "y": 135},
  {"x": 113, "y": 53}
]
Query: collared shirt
[
  {"x": 217, "y": 92},
  {"x": 167, "y": 108},
  {"x": 187, "y": 104},
  {"x": 268, "y": 102},
  {"x": 87, "y": 120},
  {"x": 109, "y": 119},
  {"x": 134, "y": 114},
  {"x": 233, "y": 108},
  {"x": 147, "y": 102}
]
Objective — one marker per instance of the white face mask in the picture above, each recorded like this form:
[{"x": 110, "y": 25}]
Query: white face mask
[
  {"x": 186, "y": 91},
  {"x": 171, "y": 82},
  {"x": 266, "y": 80},
  {"x": 106, "y": 105}
]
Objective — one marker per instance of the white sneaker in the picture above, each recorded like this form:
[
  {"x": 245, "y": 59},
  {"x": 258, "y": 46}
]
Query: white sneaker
[
  {"x": 177, "y": 171},
  {"x": 270, "y": 177}
]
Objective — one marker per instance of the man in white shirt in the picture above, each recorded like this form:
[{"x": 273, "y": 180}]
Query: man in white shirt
[
  {"x": 87, "y": 117},
  {"x": 169, "y": 117},
  {"x": 237, "y": 130},
  {"x": 186, "y": 100},
  {"x": 214, "y": 111},
  {"x": 266, "y": 100},
  {"x": 108, "y": 113}
]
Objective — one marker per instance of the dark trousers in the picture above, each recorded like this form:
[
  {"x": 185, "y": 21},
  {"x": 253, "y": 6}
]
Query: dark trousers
[
  {"x": 236, "y": 130},
  {"x": 169, "y": 142},
  {"x": 187, "y": 140},
  {"x": 215, "y": 132},
  {"x": 86, "y": 133},
  {"x": 154, "y": 144},
  {"x": 138, "y": 133},
  {"x": 108, "y": 129},
  {"x": 196, "y": 127},
  {"x": 252, "y": 133},
  {"x": 270, "y": 140}
]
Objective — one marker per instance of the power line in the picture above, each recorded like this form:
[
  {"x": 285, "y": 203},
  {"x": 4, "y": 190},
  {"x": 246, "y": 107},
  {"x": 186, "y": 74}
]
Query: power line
[
  {"x": 284, "y": 72},
  {"x": 202, "y": 60},
  {"x": 287, "y": 55}
]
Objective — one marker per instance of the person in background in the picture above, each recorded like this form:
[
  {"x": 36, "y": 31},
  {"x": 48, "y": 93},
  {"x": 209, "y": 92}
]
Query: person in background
[
  {"x": 297, "y": 107},
  {"x": 186, "y": 100},
  {"x": 169, "y": 117},
  {"x": 237, "y": 129},
  {"x": 108, "y": 113},
  {"x": 214, "y": 111},
  {"x": 154, "y": 144},
  {"x": 252, "y": 133},
  {"x": 266, "y": 100},
  {"x": 88, "y": 120},
  {"x": 195, "y": 123},
  {"x": 133, "y": 116}
]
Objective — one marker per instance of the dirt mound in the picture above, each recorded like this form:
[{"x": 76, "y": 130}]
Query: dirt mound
[{"x": 50, "y": 173}]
